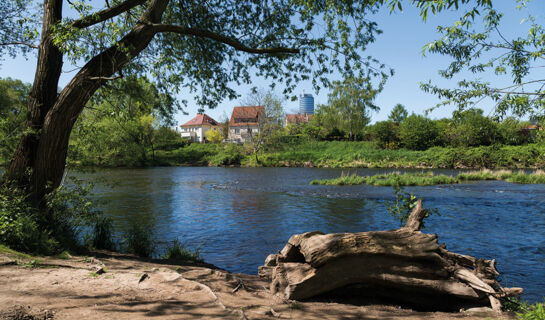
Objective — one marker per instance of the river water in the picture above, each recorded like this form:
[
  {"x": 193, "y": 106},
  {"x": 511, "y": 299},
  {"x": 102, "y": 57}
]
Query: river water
[{"x": 237, "y": 216}]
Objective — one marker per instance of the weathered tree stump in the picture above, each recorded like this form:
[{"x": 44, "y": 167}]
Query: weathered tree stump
[{"x": 402, "y": 265}]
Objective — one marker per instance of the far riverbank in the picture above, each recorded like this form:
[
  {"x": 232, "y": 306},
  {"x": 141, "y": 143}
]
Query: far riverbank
[{"x": 337, "y": 154}]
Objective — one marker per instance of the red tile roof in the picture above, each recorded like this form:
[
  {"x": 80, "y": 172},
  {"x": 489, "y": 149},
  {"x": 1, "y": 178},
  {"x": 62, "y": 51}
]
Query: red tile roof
[
  {"x": 199, "y": 120},
  {"x": 246, "y": 116},
  {"x": 298, "y": 118}
]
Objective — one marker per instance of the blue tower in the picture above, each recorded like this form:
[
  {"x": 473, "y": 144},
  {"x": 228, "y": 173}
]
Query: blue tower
[{"x": 306, "y": 104}]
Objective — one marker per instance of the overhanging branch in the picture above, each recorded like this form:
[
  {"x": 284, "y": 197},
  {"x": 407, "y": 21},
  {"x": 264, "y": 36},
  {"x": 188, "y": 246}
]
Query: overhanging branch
[
  {"x": 236, "y": 44},
  {"x": 106, "y": 14},
  {"x": 30, "y": 45}
]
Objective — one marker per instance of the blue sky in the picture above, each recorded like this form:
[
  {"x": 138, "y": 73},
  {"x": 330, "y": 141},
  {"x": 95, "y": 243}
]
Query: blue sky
[{"x": 399, "y": 47}]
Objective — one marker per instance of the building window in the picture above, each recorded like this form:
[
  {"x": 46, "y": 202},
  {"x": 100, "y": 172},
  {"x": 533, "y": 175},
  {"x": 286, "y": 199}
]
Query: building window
[{"x": 237, "y": 131}]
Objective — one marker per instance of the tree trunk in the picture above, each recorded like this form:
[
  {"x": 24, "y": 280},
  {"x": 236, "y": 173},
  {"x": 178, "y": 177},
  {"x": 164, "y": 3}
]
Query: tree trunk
[
  {"x": 403, "y": 266},
  {"x": 42, "y": 98},
  {"x": 52, "y": 117}
]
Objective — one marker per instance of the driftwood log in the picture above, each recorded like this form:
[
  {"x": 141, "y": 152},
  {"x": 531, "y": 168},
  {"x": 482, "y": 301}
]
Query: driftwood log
[{"x": 404, "y": 266}]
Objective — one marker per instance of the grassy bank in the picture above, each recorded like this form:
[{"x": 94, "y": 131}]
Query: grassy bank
[
  {"x": 429, "y": 178},
  {"x": 344, "y": 154}
]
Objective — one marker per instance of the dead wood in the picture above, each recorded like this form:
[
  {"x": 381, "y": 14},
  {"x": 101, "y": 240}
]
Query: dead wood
[{"x": 402, "y": 265}]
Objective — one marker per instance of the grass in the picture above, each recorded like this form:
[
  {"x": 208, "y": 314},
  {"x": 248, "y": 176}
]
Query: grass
[
  {"x": 535, "y": 177},
  {"x": 429, "y": 178},
  {"x": 12, "y": 253},
  {"x": 532, "y": 312},
  {"x": 178, "y": 252}
]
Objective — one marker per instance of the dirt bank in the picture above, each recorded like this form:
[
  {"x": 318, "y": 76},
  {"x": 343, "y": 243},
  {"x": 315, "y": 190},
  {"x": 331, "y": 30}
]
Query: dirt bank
[{"x": 116, "y": 286}]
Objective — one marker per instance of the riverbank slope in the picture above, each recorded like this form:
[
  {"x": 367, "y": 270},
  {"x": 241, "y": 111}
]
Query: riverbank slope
[
  {"x": 346, "y": 154},
  {"x": 117, "y": 286}
]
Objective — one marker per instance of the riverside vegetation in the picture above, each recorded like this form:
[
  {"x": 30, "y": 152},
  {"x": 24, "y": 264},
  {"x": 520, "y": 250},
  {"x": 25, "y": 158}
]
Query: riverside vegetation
[{"x": 430, "y": 178}]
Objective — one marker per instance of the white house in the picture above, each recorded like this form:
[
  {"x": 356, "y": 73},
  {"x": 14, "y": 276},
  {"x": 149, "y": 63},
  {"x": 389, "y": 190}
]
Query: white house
[
  {"x": 196, "y": 128},
  {"x": 245, "y": 122}
]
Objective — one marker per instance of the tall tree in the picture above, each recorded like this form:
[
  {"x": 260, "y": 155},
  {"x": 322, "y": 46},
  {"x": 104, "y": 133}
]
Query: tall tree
[
  {"x": 350, "y": 102},
  {"x": 269, "y": 122},
  {"x": 204, "y": 46},
  {"x": 120, "y": 124},
  {"x": 398, "y": 114}
]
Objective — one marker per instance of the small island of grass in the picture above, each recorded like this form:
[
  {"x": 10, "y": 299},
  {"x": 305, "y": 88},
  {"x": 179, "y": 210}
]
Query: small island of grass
[{"x": 429, "y": 178}]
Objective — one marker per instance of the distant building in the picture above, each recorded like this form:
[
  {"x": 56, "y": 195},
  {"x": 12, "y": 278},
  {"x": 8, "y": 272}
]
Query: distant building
[
  {"x": 306, "y": 104},
  {"x": 196, "y": 128},
  {"x": 298, "y": 118},
  {"x": 245, "y": 122}
]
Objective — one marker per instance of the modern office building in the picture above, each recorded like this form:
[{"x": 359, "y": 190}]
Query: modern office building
[{"x": 306, "y": 104}]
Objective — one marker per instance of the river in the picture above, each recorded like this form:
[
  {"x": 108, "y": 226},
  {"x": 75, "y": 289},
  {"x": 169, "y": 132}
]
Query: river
[{"x": 237, "y": 216}]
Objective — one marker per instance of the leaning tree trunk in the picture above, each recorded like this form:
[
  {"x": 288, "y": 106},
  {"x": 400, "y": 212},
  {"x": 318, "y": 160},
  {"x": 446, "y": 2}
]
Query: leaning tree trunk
[
  {"x": 43, "y": 153},
  {"x": 404, "y": 266}
]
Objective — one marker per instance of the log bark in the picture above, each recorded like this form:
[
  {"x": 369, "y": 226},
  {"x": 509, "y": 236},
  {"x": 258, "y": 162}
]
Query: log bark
[{"x": 404, "y": 266}]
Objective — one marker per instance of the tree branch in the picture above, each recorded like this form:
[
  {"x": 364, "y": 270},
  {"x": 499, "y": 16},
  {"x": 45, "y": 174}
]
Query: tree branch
[
  {"x": 158, "y": 28},
  {"x": 106, "y": 14},
  {"x": 30, "y": 45}
]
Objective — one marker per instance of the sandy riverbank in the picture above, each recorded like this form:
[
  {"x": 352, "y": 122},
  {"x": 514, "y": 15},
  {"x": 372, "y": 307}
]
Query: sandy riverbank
[{"x": 134, "y": 288}]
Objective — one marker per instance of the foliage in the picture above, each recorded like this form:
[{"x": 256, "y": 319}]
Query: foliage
[
  {"x": 18, "y": 32},
  {"x": 387, "y": 134},
  {"x": 532, "y": 312},
  {"x": 418, "y": 132},
  {"x": 349, "y": 104},
  {"x": 13, "y": 101},
  {"x": 178, "y": 252},
  {"x": 488, "y": 51},
  {"x": 124, "y": 125},
  {"x": 472, "y": 129},
  {"x": 138, "y": 239},
  {"x": 20, "y": 225},
  {"x": 70, "y": 214},
  {"x": 270, "y": 121},
  {"x": 403, "y": 204},
  {"x": 398, "y": 114},
  {"x": 214, "y": 136},
  {"x": 231, "y": 155}
]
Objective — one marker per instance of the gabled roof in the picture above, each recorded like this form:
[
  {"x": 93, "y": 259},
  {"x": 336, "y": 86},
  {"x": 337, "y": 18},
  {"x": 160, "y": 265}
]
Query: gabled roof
[
  {"x": 246, "y": 116},
  {"x": 298, "y": 118},
  {"x": 199, "y": 120}
]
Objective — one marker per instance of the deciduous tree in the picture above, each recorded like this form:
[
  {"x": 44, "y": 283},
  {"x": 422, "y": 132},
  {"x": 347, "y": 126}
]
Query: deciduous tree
[{"x": 203, "y": 46}]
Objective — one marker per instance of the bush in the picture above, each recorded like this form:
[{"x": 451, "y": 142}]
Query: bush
[
  {"x": 58, "y": 226},
  {"x": 418, "y": 133},
  {"x": 178, "y": 252},
  {"x": 386, "y": 133},
  {"x": 472, "y": 129},
  {"x": 230, "y": 156},
  {"x": 139, "y": 239}
]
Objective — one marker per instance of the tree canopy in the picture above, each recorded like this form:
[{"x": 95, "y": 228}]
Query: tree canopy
[{"x": 481, "y": 47}]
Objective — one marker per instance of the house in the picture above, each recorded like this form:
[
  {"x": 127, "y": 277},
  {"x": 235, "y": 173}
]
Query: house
[
  {"x": 245, "y": 122},
  {"x": 196, "y": 128},
  {"x": 298, "y": 118}
]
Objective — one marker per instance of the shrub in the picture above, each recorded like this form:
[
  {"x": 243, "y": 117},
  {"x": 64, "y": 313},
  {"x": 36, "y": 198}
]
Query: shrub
[
  {"x": 418, "y": 133},
  {"x": 178, "y": 252},
  {"x": 68, "y": 213},
  {"x": 386, "y": 134}
]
